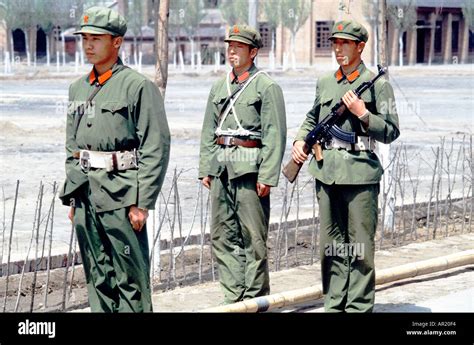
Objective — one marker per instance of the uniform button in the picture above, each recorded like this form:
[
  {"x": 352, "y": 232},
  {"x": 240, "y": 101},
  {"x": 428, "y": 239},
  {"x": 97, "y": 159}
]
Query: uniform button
[{"x": 89, "y": 124}]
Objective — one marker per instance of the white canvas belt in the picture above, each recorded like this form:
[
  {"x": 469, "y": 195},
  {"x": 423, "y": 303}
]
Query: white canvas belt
[
  {"x": 110, "y": 161},
  {"x": 363, "y": 144}
]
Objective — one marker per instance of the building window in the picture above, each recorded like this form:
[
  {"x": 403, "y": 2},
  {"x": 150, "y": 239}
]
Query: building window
[
  {"x": 438, "y": 36},
  {"x": 471, "y": 41},
  {"x": 323, "y": 32},
  {"x": 455, "y": 37},
  {"x": 266, "y": 33},
  {"x": 211, "y": 3}
]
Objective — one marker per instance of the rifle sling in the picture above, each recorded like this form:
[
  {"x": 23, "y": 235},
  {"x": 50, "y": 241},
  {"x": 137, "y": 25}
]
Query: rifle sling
[
  {"x": 81, "y": 109},
  {"x": 227, "y": 102}
]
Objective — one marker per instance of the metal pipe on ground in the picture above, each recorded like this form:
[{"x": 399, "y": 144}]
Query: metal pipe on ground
[{"x": 384, "y": 276}]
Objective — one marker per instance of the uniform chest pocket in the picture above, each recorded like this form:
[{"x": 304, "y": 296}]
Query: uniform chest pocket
[
  {"x": 255, "y": 103},
  {"x": 115, "y": 120},
  {"x": 218, "y": 99},
  {"x": 326, "y": 104},
  {"x": 248, "y": 109},
  {"x": 218, "y": 102},
  {"x": 115, "y": 109}
]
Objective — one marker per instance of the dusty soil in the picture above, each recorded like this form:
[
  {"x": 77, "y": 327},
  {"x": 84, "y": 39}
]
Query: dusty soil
[{"x": 301, "y": 249}]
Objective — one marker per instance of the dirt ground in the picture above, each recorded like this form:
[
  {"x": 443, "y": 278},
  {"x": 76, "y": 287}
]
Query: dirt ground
[{"x": 301, "y": 249}]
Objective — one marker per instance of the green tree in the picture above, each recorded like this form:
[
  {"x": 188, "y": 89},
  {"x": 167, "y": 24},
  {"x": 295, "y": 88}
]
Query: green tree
[
  {"x": 468, "y": 13},
  {"x": 192, "y": 17},
  {"x": 294, "y": 15},
  {"x": 272, "y": 11},
  {"x": 9, "y": 14},
  {"x": 135, "y": 23},
  {"x": 404, "y": 17},
  {"x": 371, "y": 14},
  {"x": 175, "y": 22},
  {"x": 45, "y": 22},
  {"x": 51, "y": 14},
  {"x": 235, "y": 11},
  {"x": 23, "y": 15}
]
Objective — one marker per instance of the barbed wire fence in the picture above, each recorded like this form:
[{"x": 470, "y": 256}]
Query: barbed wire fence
[{"x": 432, "y": 197}]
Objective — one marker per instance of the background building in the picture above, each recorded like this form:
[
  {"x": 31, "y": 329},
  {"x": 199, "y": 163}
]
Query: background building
[{"x": 295, "y": 32}]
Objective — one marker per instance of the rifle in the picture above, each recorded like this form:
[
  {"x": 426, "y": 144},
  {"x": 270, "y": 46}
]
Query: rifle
[{"x": 326, "y": 129}]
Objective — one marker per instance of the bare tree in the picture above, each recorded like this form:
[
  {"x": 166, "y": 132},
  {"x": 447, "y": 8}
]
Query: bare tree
[
  {"x": 294, "y": 15},
  {"x": 161, "y": 40}
]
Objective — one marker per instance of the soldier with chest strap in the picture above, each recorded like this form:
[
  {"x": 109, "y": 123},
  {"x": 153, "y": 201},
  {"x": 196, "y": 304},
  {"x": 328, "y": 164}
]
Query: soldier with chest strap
[{"x": 242, "y": 143}]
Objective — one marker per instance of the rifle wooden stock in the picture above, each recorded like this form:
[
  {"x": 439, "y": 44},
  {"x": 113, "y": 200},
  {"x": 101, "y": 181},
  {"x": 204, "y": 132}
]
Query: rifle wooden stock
[{"x": 292, "y": 169}]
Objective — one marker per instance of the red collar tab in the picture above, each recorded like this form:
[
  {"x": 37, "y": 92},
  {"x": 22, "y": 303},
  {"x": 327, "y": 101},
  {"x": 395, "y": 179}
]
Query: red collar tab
[
  {"x": 101, "y": 79},
  {"x": 351, "y": 77},
  {"x": 241, "y": 78}
]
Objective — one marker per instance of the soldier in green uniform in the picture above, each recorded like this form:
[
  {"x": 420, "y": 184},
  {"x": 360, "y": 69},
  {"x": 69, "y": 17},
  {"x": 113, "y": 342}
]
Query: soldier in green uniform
[
  {"x": 117, "y": 152},
  {"x": 348, "y": 176},
  {"x": 242, "y": 144}
]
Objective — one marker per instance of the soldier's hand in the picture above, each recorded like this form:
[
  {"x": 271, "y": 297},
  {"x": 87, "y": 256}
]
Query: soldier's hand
[
  {"x": 70, "y": 214},
  {"x": 297, "y": 152},
  {"x": 206, "y": 181},
  {"x": 137, "y": 217},
  {"x": 355, "y": 105},
  {"x": 262, "y": 190}
]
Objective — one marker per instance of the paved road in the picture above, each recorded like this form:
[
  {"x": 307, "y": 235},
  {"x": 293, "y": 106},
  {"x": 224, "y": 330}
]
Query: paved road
[{"x": 430, "y": 293}]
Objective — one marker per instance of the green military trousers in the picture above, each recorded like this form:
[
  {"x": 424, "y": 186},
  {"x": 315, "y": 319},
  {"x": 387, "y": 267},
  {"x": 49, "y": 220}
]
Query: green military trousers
[
  {"x": 348, "y": 220},
  {"x": 239, "y": 230},
  {"x": 115, "y": 258}
]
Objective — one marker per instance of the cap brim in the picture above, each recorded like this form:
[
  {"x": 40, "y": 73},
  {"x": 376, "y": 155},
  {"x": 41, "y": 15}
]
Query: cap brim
[
  {"x": 344, "y": 36},
  {"x": 94, "y": 31},
  {"x": 239, "y": 39}
]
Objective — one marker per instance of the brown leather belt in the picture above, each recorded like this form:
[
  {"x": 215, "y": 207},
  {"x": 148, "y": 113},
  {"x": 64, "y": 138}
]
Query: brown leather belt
[{"x": 233, "y": 141}]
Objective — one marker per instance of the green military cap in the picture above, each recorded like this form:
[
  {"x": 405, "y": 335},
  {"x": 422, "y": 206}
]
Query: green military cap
[
  {"x": 102, "y": 20},
  {"x": 245, "y": 34},
  {"x": 350, "y": 30}
]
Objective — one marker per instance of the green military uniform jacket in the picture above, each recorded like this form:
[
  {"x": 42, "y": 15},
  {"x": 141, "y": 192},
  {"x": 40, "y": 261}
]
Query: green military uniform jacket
[
  {"x": 260, "y": 108},
  {"x": 128, "y": 113},
  {"x": 340, "y": 166}
]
